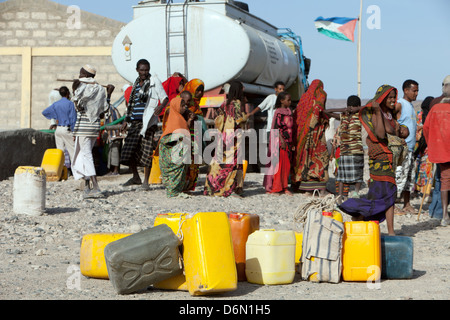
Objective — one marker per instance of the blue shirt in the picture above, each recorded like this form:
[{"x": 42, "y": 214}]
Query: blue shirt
[
  {"x": 139, "y": 107},
  {"x": 63, "y": 111},
  {"x": 409, "y": 119}
]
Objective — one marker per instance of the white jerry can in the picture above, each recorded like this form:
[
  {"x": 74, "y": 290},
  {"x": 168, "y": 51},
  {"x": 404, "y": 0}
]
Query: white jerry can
[{"x": 29, "y": 191}]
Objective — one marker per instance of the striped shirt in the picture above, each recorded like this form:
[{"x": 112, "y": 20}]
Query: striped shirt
[
  {"x": 139, "y": 107},
  {"x": 84, "y": 128},
  {"x": 350, "y": 134}
]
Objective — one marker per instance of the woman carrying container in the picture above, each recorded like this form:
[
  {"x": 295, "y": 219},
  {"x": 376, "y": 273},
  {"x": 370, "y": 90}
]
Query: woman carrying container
[
  {"x": 173, "y": 148},
  {"x": 378, "y": 119},
  {"x": 226, "y": 176},
  {"x": 280, "y": 147}
]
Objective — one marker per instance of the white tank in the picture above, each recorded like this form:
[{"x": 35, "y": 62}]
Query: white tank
[{"x": 213, "y": 40}]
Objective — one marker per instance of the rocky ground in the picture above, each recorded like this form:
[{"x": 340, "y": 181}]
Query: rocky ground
[{"x": 39, "y": 256}]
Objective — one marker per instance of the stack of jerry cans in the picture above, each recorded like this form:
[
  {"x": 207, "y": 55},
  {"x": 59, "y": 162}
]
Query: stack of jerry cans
[
  {"x": 397, "y": 254},
  {"x": 361, "y": 252},
  {"x": 208, "y": 254},
  {"x": 53, "y": 164},
  {"x": 142, "y": 259},
  {"x": 92, "y": 257},
  {"x": 175, "y": 222},
  {"x": 242, "y": 225},
  {"x": 270, "y": 257}
]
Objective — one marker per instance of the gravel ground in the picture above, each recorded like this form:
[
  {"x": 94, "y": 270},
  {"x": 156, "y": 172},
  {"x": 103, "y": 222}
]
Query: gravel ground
[{"x": 39, "y": 256}]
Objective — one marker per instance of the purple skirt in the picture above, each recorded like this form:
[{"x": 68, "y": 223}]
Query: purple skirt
[{"x": 373, "y": 206}]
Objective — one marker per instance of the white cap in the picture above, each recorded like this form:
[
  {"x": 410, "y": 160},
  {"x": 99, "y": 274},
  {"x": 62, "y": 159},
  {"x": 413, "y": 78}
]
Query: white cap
[
  {"x": 446, "y": 80},
  {"x": 90, "y": 69}
]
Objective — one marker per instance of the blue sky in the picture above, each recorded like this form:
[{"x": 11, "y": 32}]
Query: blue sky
[{"x": 413, "y": 41}]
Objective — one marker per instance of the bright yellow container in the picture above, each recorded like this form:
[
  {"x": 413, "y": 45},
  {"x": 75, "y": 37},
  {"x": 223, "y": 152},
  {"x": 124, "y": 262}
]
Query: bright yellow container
[
  {"x": 92, "y": 257},
  {"x": 270, "y": 257},
  {"x": 53, "y": 163},
  {"x": 208, "y": 255},
  {"x": 155, "y": 173},
  {"x": 298, "y": 248},
  {"x": 245, "y": 166},
  {"x": 174, "y": 221},
  {"x": 361, "y": 252}
]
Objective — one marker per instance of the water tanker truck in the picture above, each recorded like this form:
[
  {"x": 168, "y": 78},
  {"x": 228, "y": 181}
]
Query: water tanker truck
[{"x": 215, "y": 41}]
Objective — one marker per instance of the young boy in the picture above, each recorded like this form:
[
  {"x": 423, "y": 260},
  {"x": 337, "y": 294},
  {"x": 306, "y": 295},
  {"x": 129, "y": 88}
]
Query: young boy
[{"x": 351, "y": 160}]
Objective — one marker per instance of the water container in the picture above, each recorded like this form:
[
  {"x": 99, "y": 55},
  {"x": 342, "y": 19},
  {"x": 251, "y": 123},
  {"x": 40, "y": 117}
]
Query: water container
[
  {"x": 29, "y": 191},
  {"x": 142, "y": 259},
  {"x": 155, "y": 173},
  {"x": 245, "y": 166},
  {"x": 53, "y": 163},
  {"x": 208, "y": 254},
  {"x": 361, "y": 253},
  {"x": 270, "y": 257},
  {"x": 92, "y": 257},
  {"x": 242, "y": 225},
  {"x": 397, "y": 257},
  {"x": 174, "y": 221},
  {"x": 298, "y": 249}
]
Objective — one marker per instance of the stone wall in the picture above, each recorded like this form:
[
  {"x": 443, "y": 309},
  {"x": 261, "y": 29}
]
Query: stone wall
[{"x": 43, "y": 23}]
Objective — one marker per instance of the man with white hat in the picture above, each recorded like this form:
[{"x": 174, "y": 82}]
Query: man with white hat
[{"x": 91, "y": 101}]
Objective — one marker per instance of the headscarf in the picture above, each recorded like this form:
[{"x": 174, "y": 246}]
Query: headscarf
[
  {"x": 171, "y": 86},
  {"x": 192, "y": 87},
  {"x": 311, "y": 103},
  {"x": 176, "y": 121}
]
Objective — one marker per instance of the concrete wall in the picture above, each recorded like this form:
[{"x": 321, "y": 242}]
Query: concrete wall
[
  {"x": 42, "y": 24},
  {"x": 22, "y": 148}
]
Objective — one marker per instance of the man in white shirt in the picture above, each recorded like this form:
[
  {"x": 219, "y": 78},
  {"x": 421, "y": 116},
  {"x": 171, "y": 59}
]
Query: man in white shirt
[{"x": 269, "y": 105}]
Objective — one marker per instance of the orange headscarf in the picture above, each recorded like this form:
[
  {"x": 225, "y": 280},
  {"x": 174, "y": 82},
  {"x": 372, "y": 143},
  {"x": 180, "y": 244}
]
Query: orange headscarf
[
  {"x": 192, "y": 87},
  {"x": 176, "y": 120}
]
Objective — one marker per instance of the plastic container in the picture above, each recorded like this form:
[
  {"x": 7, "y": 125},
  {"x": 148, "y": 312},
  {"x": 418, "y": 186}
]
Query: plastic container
[
  {"x": 397, "y": 254},
  {"x": 29, "y": 191},
  {"x": 208, "y": 254},
  {"x": 92, "y": 257},
  {"x": 155, "y": 173},
  {"x": 270, "y": 257},
  {"x": 298, "y": 249},
  {"x": 142, "y": 259},
  {"x": 242, "y": 225},
  {"x": 174, "y": 221},
  {"x": 53, "y": 163},
  {"x": 245, "y": 166},
  {"x": 361, "y": 253}
]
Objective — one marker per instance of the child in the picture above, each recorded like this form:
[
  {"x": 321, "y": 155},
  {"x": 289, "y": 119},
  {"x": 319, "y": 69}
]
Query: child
[
  {"x": 280, "y": 147},
  {"x": 351, "y": 160}
]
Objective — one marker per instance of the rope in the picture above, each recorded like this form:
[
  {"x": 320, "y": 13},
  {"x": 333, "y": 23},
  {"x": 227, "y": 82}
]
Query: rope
[{"x": 315, "y": 203}]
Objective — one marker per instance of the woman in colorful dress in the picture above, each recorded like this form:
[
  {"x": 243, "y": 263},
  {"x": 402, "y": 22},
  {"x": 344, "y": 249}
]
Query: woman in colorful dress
[
  {"x": 172, "y": 149},
  {"x": 196, "y": 87},
  {"x": 280, "y": 147},
  {"x": 378, "y": 120},
  {"x": 312, "y": 157},
  {"x": 226, "y": 176}
]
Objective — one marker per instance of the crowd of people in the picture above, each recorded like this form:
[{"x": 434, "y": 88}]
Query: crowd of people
[{"x": 408, "y": 151}]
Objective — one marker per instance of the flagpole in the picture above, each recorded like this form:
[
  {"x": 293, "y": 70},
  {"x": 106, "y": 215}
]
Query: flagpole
[{"x": 359, "y": 49}]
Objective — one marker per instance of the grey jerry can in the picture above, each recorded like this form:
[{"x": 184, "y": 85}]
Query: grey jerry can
[{"x": 142, "y": 259}]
